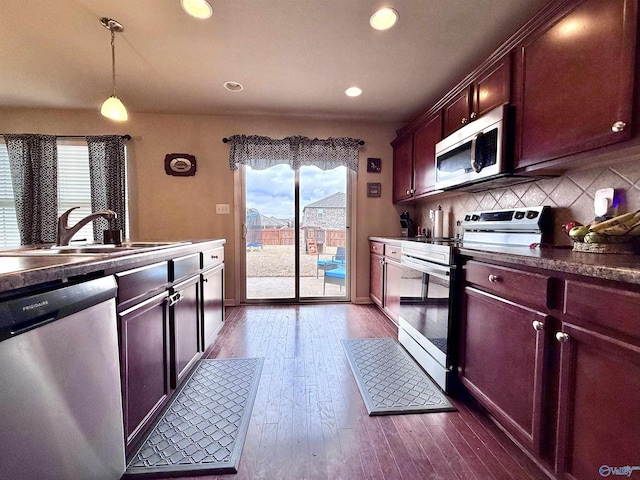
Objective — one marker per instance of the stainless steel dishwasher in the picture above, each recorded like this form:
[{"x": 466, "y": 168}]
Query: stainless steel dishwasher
[{"x": 60, "y": 400}]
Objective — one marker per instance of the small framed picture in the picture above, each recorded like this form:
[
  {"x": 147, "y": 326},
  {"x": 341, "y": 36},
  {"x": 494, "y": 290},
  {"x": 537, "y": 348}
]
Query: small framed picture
[
  {"x": 373, "y": 189},
  {"x": 374, "y": 165}
]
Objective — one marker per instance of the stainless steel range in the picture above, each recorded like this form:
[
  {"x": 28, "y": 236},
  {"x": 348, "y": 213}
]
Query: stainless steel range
[{"x": 431, "y": 271}]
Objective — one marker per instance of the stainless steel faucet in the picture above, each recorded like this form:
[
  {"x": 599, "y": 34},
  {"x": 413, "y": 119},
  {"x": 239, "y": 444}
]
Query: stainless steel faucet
[{"x": 65, "y": 232}]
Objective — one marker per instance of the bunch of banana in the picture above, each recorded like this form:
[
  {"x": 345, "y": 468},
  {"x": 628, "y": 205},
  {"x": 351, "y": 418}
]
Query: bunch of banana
[{"x": 615, "y": 230}]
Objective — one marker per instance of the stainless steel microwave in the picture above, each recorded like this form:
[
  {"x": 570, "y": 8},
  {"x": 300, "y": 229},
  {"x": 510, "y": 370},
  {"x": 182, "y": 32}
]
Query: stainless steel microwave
[{"x": 475, "y": 152}]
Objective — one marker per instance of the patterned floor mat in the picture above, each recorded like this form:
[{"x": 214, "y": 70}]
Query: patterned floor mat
[
  {"x": 204, "y": 428},
  {"x": 390, "y": 381}
]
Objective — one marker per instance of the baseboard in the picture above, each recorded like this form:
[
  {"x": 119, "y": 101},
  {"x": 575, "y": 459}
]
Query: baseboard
[{"x": 361, "y": 300}]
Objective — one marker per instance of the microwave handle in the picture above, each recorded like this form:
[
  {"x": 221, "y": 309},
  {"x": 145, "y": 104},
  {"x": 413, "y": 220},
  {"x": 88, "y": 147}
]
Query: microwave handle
[{"x": 474, "y": 143}]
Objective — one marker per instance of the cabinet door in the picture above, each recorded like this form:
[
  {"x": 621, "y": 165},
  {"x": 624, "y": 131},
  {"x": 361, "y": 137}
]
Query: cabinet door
[
  {"x": 402, "y": 168},
  {"x": 392, "y": 285},
  {"x": 492, "y": 88},
  {"x": 183, "y": 323},
  {"x": 456, "y": 112},
  {"x": 576, "y": 81},
  {"x": 502, "y": 362},
  {"x": 376, "y": 263},
  {"x": 144, "y": 363},
  {"x": 424, "y": 154},
  {"x": 212, "y": 288},
  {"x": 598, "y": 421}
]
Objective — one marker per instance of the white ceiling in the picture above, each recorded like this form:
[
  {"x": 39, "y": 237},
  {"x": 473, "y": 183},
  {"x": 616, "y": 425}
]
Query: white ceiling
[{"x": 294, "y": 57}]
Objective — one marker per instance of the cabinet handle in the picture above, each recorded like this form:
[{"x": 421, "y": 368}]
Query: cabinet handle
[
  {"x": 562, "y": 337},
  {"x": 473, "y": 115},
  {"x": 408, "y": 192},
  {"x": 175, "y": 298},
  {"x": 381, "y": 261},
  {"x": 214, "y": 257},
  {"x": 494, "y": 278},
  {"x": 393, "y": 252},
  {"x": 537, "y": 325},
  {"x": 619, "y": 126},
  {"x": 464, "y": 120}
]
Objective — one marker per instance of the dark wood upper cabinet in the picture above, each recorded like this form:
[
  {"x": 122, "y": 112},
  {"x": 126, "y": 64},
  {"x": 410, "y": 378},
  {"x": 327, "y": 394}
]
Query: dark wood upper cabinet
[
  {"x": 490, "y": 88},
  {"x": 402, "y": 168},
  {"x": 424, "y": 154},
  {"x": 575, "y": 81},
  {"x": 458, "y": 111}
]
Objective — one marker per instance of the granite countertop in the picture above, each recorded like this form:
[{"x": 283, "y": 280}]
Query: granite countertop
[
  {"x": 623, "y": 268},
  {"x": 24, "y": 270}
]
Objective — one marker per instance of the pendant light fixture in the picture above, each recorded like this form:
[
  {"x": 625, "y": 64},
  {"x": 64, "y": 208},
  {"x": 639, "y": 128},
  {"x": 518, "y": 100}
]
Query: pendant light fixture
[
  {"x": 197, "y": 8},
  {"x": 112, "y": 107}
]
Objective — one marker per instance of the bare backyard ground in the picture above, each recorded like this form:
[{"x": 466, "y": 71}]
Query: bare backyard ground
[{"x": 277, "y": 261}]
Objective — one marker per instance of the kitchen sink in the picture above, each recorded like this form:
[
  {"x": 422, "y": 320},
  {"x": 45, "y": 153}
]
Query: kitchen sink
[{"x": 88, "y": 249}]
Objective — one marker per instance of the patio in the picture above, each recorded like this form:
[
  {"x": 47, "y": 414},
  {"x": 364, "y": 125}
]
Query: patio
[{"x": 270, "y": 273}]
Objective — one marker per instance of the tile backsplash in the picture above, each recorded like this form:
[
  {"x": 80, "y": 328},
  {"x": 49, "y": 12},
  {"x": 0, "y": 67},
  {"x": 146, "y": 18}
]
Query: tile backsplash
[{"x": 570, "y": 196}]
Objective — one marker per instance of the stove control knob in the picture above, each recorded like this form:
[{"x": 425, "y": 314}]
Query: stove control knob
[
  {"x": 519, "y": 215},
  {"x": 475, "y": 218},
  {"x": 531, "y": 214},
  {"x": 467, "y": 218}
]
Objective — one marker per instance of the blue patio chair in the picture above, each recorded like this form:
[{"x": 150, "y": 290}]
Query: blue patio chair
[
  {"x": 337, "y": 260},
  {"x": 335, "y": 276}
]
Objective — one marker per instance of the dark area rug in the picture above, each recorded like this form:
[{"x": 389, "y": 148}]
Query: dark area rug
[
  {"x": 203, "y": 429},
  {"x": 390, "y": 381}
]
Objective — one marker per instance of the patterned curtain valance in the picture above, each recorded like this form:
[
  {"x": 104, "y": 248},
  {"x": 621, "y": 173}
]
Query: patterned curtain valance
[{"x": 261, "y": 153}]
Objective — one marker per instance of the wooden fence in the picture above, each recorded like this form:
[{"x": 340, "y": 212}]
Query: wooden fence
[{"x": 286, "y": 236}]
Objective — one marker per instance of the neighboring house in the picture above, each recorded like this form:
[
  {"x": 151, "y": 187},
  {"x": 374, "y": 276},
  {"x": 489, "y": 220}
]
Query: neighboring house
[
  {"x": 327, "y": 213},
  {"x": 272, "y": 222}
]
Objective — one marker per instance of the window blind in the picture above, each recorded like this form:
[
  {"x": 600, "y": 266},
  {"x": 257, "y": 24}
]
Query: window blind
[
  {"x": 9, "y": 235},
  {"x": 74, "y": 185}
]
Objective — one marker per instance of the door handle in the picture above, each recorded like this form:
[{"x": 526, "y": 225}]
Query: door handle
[{"x": 175, "y": 298}]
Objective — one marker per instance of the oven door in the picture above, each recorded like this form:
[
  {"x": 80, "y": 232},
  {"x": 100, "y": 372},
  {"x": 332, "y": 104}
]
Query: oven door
[{"x": 425, "y": 312}]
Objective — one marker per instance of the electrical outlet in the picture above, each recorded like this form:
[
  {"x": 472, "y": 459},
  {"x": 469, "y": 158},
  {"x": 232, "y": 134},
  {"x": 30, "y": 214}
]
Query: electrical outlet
[{"x": 222, "y": 208}]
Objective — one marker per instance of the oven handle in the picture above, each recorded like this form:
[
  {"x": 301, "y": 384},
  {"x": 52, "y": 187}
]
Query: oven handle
[{"x": 426, "y": 267}]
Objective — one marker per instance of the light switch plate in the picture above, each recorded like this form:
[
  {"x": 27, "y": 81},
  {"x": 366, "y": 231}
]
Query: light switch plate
[{"x": 222, "y": 208}]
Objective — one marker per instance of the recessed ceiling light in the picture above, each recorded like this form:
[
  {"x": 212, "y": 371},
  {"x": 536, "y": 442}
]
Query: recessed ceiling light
[
  {"x": 197, "y": 8},
  {"x": 383, "y": 18},
  {"x": 353, "y": 92},
  {"x": 233, "y": 86}
]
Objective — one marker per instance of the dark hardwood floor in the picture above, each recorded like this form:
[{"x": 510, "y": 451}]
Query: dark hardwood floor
[{"x": 309, "y": 420}]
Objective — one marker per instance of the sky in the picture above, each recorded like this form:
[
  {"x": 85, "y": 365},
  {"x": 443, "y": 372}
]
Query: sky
[{"x": 271, "y": 191}]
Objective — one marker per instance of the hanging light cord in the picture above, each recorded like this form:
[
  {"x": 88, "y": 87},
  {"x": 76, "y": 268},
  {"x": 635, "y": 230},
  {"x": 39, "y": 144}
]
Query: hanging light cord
[{"x": 113, "y": 57}]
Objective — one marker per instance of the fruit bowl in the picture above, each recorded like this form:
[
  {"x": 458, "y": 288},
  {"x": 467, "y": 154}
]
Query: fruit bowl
[{"x": 614, "y": 235}]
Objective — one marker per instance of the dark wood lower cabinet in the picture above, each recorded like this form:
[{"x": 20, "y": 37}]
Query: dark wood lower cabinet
[
  {"x": 376, "y": 279},
  {"x": 599, "y": 420},
  {"x": 143, "y": 359},
  {"x": 212, "y": 295},
  {"x": 184, "y": 326},
  {"x": 392, "y": 288},
  {"x": 502, "y": 362}
]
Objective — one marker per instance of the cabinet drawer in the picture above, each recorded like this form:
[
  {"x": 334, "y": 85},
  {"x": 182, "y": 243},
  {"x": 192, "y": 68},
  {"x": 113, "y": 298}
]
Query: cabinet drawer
[
  {"x": 137, "y": 284},
  {"x": 392, "y": 251},
  {"x": 529, "y": 288},
  {"x": 376, "y": 247},
  {"x": 213, "y": 257},
  {"x": 611, "y": 308},
  {"x": 184, "y": 267}
]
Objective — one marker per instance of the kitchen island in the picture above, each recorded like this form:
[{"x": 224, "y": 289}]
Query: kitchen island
[{"x": 168, "y": 310}]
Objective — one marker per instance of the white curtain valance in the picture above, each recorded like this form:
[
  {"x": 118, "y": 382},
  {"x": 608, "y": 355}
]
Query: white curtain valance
[{"x": 261, "y": 153}]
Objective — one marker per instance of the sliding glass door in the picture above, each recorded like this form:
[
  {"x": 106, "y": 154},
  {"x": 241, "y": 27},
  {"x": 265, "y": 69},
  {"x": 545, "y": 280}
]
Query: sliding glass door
[{"x": 295, "y": 234}]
